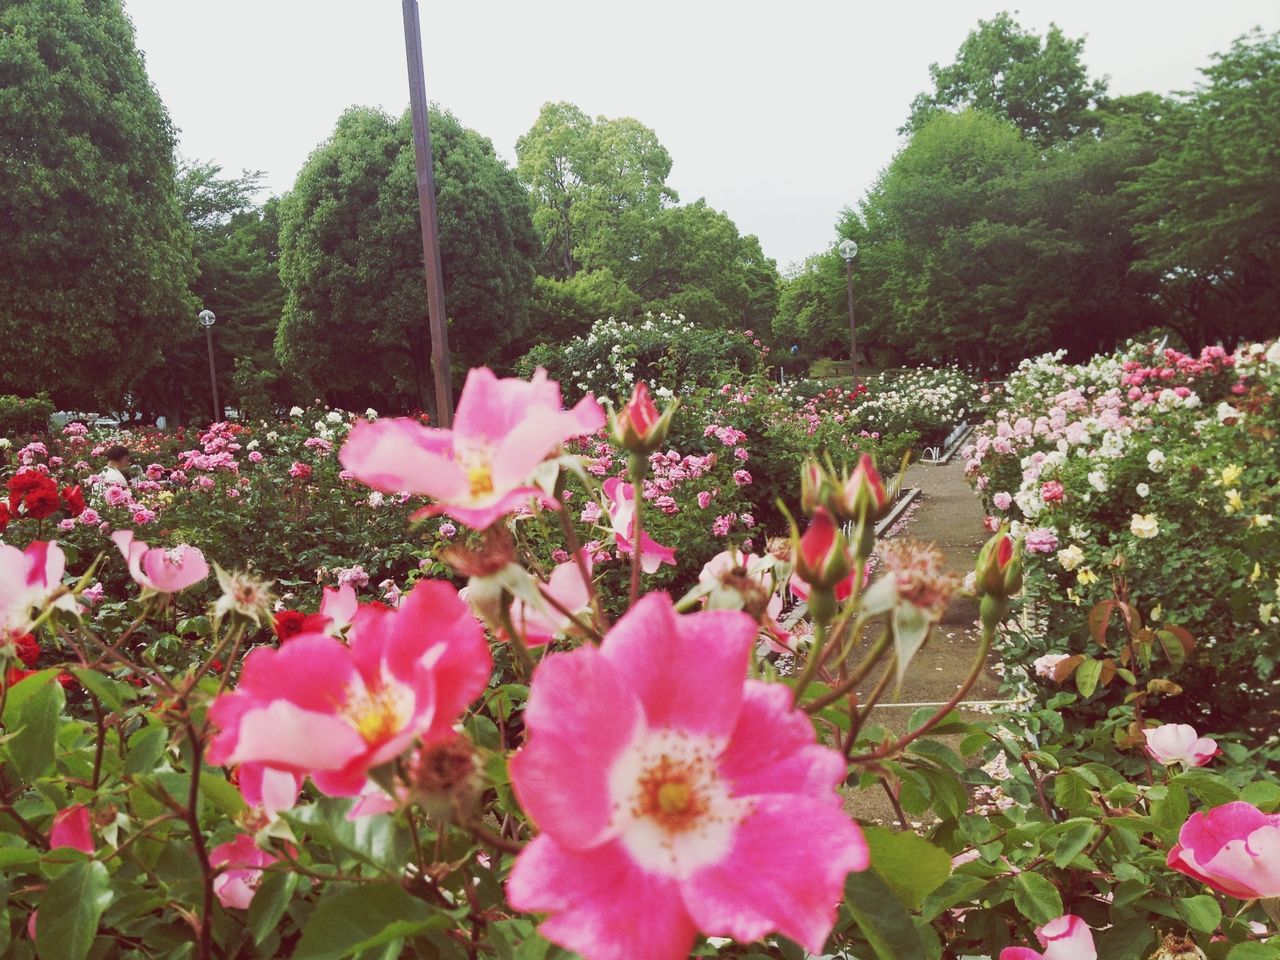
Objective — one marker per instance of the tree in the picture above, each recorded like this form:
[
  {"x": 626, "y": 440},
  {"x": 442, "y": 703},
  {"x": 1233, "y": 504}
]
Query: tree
[
  {"x": 97, "y": 257},
  {"x": 355, "y": 315},
  {"x": 1208, "y": 204},
  {"x": 1039, "y": 85},
  {"x": 595, "y": 184},
  {"x": 236, "y": 251}
]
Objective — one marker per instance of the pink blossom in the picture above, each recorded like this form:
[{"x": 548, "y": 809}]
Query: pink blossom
[
  {"x": 1067, "y": 938},
  {"x": 1235, "y": 849},
  {"x": 66, "y": 524},
  {"x": 723, "y": 525},
  {"x": 353, "y": 576},
  {"x": 300, "y": 471},
  {"x": 142, "y": 516},
  {"x": 1040, "y": 540},
  {"x": 333, "y": 710},
  {"x": 704, "y": 499},
  {"x": 241, "y": 861},
  {"x": 591, "y": 513},
  {"x": 255, "y": 456},
  {"x": 1179, "y": 743},
  {"x": 741, "y": 477},
  {"x": 117, "y": 496},
  {"x": 71, "y": 828},
  {"x": 1051, "y": 491},
  {"x": 622, "y": 515},
  {"x": 271, "y": 790},
  {"x": 1002, "y": 500},
  {"x": 94, "y": 594},
  {"x": 154, "y": 471},
  {"x": 539, "y": 625},
  {"x": 659, "y": 775},
  {"x": 27, "y": 580},
  {"x": 159, "y": 570},
  {"x": 479, "y": 471},
  {"x": 339, "y": 607},
  {"x": 447, "y": 530}
]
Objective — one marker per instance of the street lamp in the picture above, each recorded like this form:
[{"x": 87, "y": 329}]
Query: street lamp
[
  {"x": 848, "y": 249},
  {"x": 207, "y": 320}
]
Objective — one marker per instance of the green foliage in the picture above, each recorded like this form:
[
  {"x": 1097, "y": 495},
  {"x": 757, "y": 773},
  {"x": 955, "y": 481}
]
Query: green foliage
[
  {"x": 1209, "y": 213},
  {"x": 1040, "y": 85},
  {"x": 96, "y": 255},
  {"x": 355, "y": 316},
  {"x": 23, "y": 417}
]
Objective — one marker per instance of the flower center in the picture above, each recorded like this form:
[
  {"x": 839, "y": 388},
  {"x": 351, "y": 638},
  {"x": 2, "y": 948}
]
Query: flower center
[
  {"x": 480, "y": 476},
  {"x": 378, "y": 713},
  {"x": 668, "y": 794}
]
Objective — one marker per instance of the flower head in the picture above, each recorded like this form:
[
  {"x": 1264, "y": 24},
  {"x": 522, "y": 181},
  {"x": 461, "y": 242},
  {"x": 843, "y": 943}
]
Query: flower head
[
  {"x": 1235, "y": 849},
  {"x": 659, "y": 774},
  {"x": 28, "y": 579},
  {"x": 1179, "y": 743},
  {"x": 480, "y": 470},
  {"x": 244, "y": 594},
  {"x": 622, "y": 516},
  {"x": 333, "y": 710},
  {"x": 1144, "y": 526},
  {"x": 1067, "y": 938},
  {"x": 241, "y": 861},
  {"x": 160, "y": 570},
  {"x": 638, "y": 427}
]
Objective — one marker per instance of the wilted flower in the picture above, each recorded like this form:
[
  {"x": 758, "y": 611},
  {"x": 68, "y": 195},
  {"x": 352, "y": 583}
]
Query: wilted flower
[{"x": 244, "y": 594}]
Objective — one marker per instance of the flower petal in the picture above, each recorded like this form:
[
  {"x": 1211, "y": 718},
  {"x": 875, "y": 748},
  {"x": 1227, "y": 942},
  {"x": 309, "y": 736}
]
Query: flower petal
[
  {"x": 602, "y": 905},
  {"x": 400, "y": 454},
  {"x": 784, "y": 873},
  {"x": 687, "y": 670},
  {"x": 580, "y": 718}
]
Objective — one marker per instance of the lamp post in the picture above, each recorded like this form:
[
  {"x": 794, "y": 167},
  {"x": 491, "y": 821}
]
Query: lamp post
[
  {"x": 427, "y": 213},
  {"x": 207, "y": 320},
  {"x": 848, "y": 249}
]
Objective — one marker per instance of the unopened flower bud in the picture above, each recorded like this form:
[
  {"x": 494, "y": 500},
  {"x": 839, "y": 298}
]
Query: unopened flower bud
[
  {"x": 999, "y": 567},
  {"x": 822, "y": 555},
  {"x": 816, "y": 487},
  {"x": 863, "y": 496},
  {"x": 638, "y": 427},
  {"x": 446, "y": 780}
]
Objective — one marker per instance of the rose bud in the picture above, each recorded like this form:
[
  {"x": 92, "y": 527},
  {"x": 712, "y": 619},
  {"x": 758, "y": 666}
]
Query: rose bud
[
  {"x": 863, "y": 497},
  {"x": 638, "y": 427},
  {"x": 816, "y": 487},
  {"x": 999, "y": 576},
  {"x": 822, "y": 559}
]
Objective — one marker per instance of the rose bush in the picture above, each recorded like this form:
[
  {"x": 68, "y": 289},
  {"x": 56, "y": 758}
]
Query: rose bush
[{"x": 1148, "y": 478}]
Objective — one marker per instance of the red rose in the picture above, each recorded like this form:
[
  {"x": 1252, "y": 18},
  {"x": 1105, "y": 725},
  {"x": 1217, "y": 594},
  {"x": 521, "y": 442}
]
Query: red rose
[
  {"x": 5, "y": 516},
  {"x": 42, "y": 501},
  {"x": 290, "y": 623},
  {"x": 15, "y": 675},
  {"x": 20, "y": 484},
  {"x": 27, "y": 648},
  {"x": 73, "y": 497}
]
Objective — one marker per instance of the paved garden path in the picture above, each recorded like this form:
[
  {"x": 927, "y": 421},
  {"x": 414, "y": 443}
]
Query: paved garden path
[{"x": 949, "y": 515}]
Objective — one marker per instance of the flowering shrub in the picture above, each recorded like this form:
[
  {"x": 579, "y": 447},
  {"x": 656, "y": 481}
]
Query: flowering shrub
[{"x": 1153, "y": 475}]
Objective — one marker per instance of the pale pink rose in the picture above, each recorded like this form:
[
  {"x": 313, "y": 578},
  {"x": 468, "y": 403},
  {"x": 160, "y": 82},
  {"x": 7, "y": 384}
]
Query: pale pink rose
[
  {"x": 1002, "y": 500},
  {"x": 255, "y": 456},
  {"x": 479, "y": 471},
  {"x": 89, "y": 517},
  {"x": 160, "y": 570},
  {"x": 1046, "y": 665},
  {"x": 27, "y": 579},
  {"x": 704, "y": 499},
  {"x": 339, "y": 607},
  {"x": 71, "y": 828},
  {"x": 241, "y": 861},
  {"x": 1235, "y": 849},
  {"x": 1051, "y": 491},
  {"x": 540, "y": 625},
  {"x": 272, "y": 790},
  {"x": 622, "y": 515},
  {"x": 1067, "y": 938},
  {"x": 659, "y": 774},
  {"x": 1179, "y": 743},
  {"x": 117, "y": 496},
  {"x": 335, "y": 710},
  {"x": 1040, "y": 540}
]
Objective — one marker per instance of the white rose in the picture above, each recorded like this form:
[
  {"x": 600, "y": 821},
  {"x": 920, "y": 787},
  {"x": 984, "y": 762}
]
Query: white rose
[
  {"x": 1227, "y": 412},
  {"x": 272, "y": 436},
  {"x": 1155, "y": 461},
  {"x": 371, "y": 414},
  {"x": 1142, "y": 490},
  {"x": 334, "y": 416},
  {"x": 1071, "y": 557},
  {"x": 1144, "y": 526},
  {"x": 1098, "y": 480},
  {"x": 1273, "y": 354},
  {"x": 295, "y": 411}
]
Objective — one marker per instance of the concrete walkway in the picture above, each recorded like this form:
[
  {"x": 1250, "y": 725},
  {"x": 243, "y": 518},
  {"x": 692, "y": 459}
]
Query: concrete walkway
[{"x": 949, "y": 516}]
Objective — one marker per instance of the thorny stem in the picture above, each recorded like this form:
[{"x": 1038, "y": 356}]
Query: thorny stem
[
  {"x": 574, "y": 546},
  {"x": 858, "y": 675},
  {"x": 638, "y": 465},
  {"x": 205, "y": 942}
]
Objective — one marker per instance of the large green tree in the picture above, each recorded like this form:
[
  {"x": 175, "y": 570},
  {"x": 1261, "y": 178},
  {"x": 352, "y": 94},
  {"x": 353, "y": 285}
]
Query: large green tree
[
  {"x": 1209, "y": 201},
  {"x": 97, "y": 259},
  {"x": 355, "y": 315},
  {"x": 1039, "y": 84},
  {"x": 595, "y": 183}
]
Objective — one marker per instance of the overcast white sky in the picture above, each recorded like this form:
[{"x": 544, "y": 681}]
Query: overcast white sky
[{"x": 778, "y": 113}]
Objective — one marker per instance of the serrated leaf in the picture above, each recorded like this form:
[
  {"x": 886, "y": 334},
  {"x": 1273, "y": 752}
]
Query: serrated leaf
[
  {"x": 1201, "y": 913},
  {"x": 1087, "y": 676},
  {"x": 351, "y": 920},
  {"x": 881, "y": 918},
  {"x": 911, "y": 865},
  {"x": 1036, "y": 898},
  {"x": 1071, "y": 842},
  {"x": 270, "y": 903},
  {"x": 36, "y": 732}
]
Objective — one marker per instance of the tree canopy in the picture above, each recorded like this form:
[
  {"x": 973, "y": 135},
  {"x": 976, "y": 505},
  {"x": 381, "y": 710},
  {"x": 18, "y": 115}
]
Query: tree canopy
[
  {"x": 97, "y": 256},
  {"x": 355, "y": 314}
]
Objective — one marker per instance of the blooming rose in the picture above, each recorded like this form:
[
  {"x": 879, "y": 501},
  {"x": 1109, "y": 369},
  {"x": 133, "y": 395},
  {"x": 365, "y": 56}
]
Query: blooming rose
[
  {"x": 332, "y": 710},
  {"x": 1155, "y": 461},
  {"x": 660, "y": 775},
  {"x": 1071, "y": 557},
  {"x": 1002, "y": 500},
  {"x": 71, "y": 828},
  {"x": 160, "y": 570},
  {"x": 1144, "y": 526},
  {"x": 1235, "y": 849},
  {"x": 241, "y": 861},
  {"x": 1052, "y": 491},
  {"x": 622, "y": 516},
  {"x": 480, "y": 470},
  {"x": 1179, "y": 743}
]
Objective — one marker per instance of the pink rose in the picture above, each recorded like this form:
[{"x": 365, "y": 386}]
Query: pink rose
[
  {"x": 1067, "y": 938},
  {"x": 1235, "y": 849},
  {"x": 1179, "y": 743}
]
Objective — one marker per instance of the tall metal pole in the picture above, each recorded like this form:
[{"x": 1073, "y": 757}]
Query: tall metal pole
[
  {"x": 853, "y": 327},
  {"x": 213, "y": 378},
  {"x": 427, "y": 213}
]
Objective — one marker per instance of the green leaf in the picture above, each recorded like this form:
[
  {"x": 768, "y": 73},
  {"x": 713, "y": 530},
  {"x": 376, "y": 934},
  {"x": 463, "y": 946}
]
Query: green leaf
[
  {"x": 1262, "y": 794},
  {"x": 1201, "y": 913},
  {"x": 1254, "y": 951},
  {"x": 37, "y": 730},
  {"x": 881, "y": 918},
  {"x": 225, "y": 798},
  {"x": 269, "y": 904},
  {"x": 111, "y": 692},
  {"x": 70, "y": 909},
  {"x": 910, "y": 631},
  {"x": 911, "y": 865},
  {"x": 1087, "y": 675},
  {"x": 1071, "y": 792},
  {"x": 1071, "y": 842},
  {"x": 146, "y": 747},
  {"x": 354, "y": 919},
  {"x": 1036, "y": 898},
  {"x": 1169, "y": 814}
]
